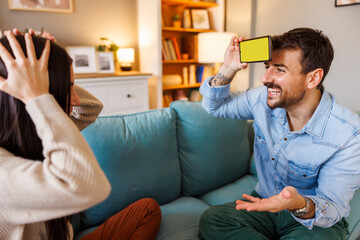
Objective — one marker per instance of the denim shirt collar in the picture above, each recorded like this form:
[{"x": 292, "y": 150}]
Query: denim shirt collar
[{"x": 317, "y": 123}]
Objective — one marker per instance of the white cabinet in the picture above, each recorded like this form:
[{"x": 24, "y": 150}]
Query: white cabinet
[{"x": 119, "y": 93}]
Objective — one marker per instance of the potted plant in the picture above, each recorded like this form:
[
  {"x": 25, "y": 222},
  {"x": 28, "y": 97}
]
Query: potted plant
[{"x": 176, "y": 21}]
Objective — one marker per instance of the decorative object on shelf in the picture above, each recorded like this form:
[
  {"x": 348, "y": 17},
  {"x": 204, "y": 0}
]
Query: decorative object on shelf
[
  {"x": 171, "y": 80},
  {"x": 192, "y": 74},
  {"x": 340, "y": 3},
  {"x": 184, "y": 56},
  {"x": 185, "y": 76},
  {"x": 125, "y": 57},
  {"x": 107, "y": 45},
  {"x": 180, "y": 95},
  {"x": 186, "y": 19},
  {"x": 176, "y": 21},
  {"x": 84, "y": 59},
  {"x": 195, "y": 95},
  {"x": 65, "y": 6},
  {"x": 217, "y": 42},
  {"x": 200, "y": 19},
  {"x": 105, "y": 62}
]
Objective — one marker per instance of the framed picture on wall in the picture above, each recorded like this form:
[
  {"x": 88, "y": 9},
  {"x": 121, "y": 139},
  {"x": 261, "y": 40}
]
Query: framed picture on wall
[
  {"x": 84, "y": 59},
  {"x": 340, "y": 3},
  {"x": 42, "y": 5},
  {"x": 200, "y": 19},
  {"x": 105, "y": 62}
]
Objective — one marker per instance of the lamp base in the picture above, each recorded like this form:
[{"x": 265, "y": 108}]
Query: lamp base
[{"x": 125, "y": 68}]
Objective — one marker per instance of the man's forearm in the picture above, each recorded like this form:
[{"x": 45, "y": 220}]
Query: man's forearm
[{"x": 223, "y": 77}]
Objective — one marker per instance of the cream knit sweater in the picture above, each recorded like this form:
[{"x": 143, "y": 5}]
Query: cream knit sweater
[{"x": 69, "y": 179}]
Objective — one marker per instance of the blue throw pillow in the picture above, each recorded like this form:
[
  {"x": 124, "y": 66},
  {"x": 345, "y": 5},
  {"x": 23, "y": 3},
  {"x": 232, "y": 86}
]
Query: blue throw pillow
[
  {"x": 139, "y": 156},
  {"x": 212, "y": 151}
]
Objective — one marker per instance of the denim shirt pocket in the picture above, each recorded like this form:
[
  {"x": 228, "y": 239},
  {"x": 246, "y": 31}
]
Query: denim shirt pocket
[
  {"x": 260, "y": 143},
  {"x": 302, "y": 177}
]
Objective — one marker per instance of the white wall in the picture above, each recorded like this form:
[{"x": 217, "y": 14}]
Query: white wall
[
  {"x": 238, "y": 21},
  {"x": 90, "y": 20},
  {"x": 340, "y": 24}
]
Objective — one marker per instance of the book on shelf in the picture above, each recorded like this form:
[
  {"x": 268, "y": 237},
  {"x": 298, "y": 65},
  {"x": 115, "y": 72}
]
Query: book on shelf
[
  {"x": 177, "y": 49},
  {"x": 166, "y": 51},
  {"x": 199, "y": 73},
  {"x": 171, "y": 49},
  {"x": 167, "y": 99}
]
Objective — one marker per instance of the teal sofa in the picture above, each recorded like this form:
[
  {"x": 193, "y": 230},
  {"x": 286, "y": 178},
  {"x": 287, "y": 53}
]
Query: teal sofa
[{"x": 184, "y": 158}]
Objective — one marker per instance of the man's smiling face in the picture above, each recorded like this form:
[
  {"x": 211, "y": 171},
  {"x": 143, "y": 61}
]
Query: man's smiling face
[{"x": 283, "y": 78}]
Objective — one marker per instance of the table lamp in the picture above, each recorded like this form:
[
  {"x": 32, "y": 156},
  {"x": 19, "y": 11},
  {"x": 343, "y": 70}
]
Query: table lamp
[
  {"x": 125, "y": 57},
  {"x": 212, "y": 46}
]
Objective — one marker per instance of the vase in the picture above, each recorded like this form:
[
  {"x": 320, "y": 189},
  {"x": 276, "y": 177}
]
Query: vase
[
  {"x": 177, "y": 24},
  {"x": 186, "y": 19}
]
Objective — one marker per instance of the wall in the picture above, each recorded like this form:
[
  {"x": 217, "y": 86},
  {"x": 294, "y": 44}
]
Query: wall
[
  {"x": 239, "y": 21},
  {"x": 91, "y": 19},
  {"x": 340, "y": 24}
]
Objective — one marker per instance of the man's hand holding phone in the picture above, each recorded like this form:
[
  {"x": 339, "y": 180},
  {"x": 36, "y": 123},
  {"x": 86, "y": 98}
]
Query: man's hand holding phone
[
  {"x": 239, "y": 53},
  {"x": 231, "y": 63}
]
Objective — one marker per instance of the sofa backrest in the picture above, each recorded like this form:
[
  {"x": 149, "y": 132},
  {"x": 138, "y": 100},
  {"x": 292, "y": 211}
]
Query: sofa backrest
[
  {"x": 139, "y": 156},
  {"x": 212, "y": 151}
]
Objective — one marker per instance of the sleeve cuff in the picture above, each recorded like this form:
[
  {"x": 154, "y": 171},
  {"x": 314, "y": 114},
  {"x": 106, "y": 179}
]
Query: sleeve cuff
[
  {"x": 45, "y": 105},
  {"x": 214, "y": 93}
]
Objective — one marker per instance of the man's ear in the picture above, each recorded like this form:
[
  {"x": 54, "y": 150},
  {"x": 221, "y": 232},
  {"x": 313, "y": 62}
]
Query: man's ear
[{"x": 314, "y": 78}]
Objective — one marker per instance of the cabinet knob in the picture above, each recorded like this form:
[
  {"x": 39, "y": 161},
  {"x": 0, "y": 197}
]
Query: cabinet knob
[{"x": 128, "y": 96}]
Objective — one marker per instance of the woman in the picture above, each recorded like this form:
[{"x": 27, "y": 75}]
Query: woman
[{"x": 47, "y": 170}]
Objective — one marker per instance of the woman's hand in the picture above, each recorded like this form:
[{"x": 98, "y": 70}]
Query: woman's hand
[
  {"x": 44, "y": 34},
  {"x": 28, "y": 77}
]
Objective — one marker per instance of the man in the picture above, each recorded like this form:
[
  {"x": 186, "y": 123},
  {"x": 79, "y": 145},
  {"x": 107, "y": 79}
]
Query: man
[{"x": 306, "y": 147}]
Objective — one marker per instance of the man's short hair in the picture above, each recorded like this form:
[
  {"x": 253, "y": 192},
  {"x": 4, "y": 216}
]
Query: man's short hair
[{"x": 316, "y": 48}]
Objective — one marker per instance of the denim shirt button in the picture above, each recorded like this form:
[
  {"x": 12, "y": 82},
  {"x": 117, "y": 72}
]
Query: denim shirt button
[
  {"x": 273, "y": 159},
  {"x": 285, "y": 139}
]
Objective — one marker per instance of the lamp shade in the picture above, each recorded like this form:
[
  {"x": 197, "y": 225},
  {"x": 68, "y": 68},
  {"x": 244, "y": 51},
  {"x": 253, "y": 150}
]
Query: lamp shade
[
  {"x": 212, "y": 46},
  {"x": 125, "y": 55}
]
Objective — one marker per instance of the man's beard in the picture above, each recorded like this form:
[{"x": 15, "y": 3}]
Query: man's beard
[{"x": 287, "y": 99}]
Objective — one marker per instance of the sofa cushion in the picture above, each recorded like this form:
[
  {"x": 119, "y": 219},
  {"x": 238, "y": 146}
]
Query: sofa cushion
[
  {"x": 212, "y": 151},
  {"x": 139, "y": 156},
  {"x": 230, "y": 192},
  {"x": 180, "y": 219}
]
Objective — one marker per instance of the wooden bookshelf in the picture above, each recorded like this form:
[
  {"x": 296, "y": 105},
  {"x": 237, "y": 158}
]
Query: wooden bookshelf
[
  {"x": 180, "y": 61},
  {"x": 189, "y": 30},
  {"x": 182, "y": 86},
  {"x": 189, "y": 3},
  {"x": 163, "y": 38}
]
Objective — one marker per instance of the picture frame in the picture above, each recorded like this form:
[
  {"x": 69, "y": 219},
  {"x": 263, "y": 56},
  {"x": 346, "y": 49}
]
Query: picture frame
[
  {"x": 84, "y": 59},
  {"x": 341, "y": 3},
  {"x": 200, "y": 19},
  {"x": 63, "y": 6},
  {"x": 105, "y": 62}
]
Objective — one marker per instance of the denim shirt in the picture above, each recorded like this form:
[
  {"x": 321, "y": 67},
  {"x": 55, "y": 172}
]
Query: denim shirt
[{"x": 322, "y": 160}]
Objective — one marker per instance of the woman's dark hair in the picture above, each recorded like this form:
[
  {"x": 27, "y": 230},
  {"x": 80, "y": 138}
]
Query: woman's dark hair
[
  {"x": 316, "y": 49},
  {"x": 17, "y": 130}
]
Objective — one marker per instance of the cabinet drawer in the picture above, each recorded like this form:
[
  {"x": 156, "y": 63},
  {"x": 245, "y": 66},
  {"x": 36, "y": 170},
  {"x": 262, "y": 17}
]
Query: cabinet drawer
[
  {"x": 126, "y": 97},
  {"x": 119, "y": 95}
]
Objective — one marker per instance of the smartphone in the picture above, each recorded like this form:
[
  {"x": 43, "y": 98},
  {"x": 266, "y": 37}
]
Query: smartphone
[{"x": 255, "y": 50}]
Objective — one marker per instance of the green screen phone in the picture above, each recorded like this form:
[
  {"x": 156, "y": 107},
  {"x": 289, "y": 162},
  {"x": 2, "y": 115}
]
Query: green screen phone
[{"x": 255, "y": 50}]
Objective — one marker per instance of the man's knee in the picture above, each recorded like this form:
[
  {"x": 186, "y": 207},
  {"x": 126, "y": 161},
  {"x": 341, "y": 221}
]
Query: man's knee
[{"x": 214, "y": 218}]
